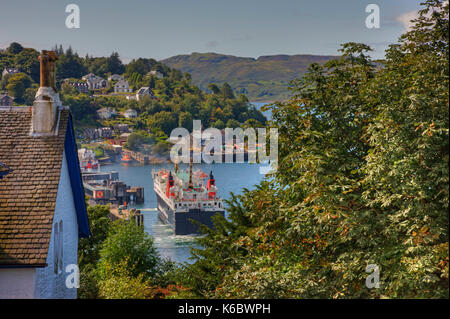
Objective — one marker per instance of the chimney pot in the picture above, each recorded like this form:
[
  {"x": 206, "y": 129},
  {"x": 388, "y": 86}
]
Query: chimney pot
[{"x": 47, "y": 100}]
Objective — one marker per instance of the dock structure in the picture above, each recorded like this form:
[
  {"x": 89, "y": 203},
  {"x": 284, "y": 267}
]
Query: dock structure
[
  {"x": 137, "y": 156},
  {"x": 127, "y": 214},
  {"x": 100, "y": 176},
  {"x": 106, "y": 188}
]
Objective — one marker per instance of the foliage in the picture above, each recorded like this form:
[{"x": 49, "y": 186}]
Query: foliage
[
  {"x": 99, "y": 223},
  {"x": 17, "y": 85},
  {"x": 120, "y": 283},
  {"x": 127, "y": 241},
  {"x": 137, "y": 139},
  {"x": 362, "y": 179}
]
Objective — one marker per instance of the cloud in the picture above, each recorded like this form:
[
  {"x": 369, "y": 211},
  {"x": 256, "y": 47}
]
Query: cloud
[
  {"x": 405, "y": 19},
  {"x": 212, "y": 44}
]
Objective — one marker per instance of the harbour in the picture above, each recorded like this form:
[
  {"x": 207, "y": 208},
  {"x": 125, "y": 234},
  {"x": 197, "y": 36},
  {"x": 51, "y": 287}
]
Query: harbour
[{"x": 230, "y": 177}]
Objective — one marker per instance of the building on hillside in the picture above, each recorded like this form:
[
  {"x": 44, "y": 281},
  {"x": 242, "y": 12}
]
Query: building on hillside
[
  {"x": 97, "y": 83},
  {"x": 121, "y": 128},
  {"x": 97, "y": 133},
  {"x": 106, "y": 113},
  {"x": 123, "y": 138},
  {"x": 9, "y": 71},
  {"x": 142, "y": 92},
  {"x": 115, "y": 77},
  {"x": 42, "y": 207},
  {"x": 122, "y": 87},
  {"x": 157, "y": 74},
  {"x": 6, "y": 100},
  {"x": 130, "y": 113},
  {"x": 88, "y": 76},
  {"x": 81, "y": 87}
]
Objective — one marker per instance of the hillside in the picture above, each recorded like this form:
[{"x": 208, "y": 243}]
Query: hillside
[{"x": 263, "y": 79}]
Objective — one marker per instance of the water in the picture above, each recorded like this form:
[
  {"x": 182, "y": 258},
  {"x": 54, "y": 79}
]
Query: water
[
  {"x": 267, "y": 114},
  {"x": 229, "y": 178}
]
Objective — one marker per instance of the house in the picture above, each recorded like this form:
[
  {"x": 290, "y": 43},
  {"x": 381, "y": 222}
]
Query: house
[
  {"x": 88, "y": 76},
  {"x": 143, "y": 91},
  {"x": 157, "y": 74},
  {"x": 8, "y": 71},
  {"x": 123, "y": 138},
  {"x": 6, "y": 100},
  {"x": 106, "y": 113},
  {"x": 115, "y": 77},
  {"x": 95, "y": 82},
  {"x": 130, "y": 113},
  {"x": 121, "y": 128},
  {"x": 122, "y": 86},
  {"x": 81, "y": 87},
  {"x": 42, "y": 207},
  {"x": 97, "y": 133}
]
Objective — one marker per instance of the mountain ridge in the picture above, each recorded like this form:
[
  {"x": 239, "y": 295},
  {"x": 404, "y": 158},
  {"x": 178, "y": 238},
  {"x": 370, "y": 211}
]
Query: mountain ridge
[{"x": 264, "y": 78}]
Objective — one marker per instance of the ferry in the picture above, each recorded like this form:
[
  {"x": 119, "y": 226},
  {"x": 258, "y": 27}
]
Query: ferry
[{"x": 182, "y": 196}]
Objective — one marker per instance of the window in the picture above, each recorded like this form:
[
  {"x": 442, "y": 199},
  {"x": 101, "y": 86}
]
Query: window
[{"x": 58, "y": 247}]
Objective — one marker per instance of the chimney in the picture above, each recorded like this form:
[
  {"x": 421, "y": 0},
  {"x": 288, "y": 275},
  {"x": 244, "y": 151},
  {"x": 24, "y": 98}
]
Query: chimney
[{"x": 46, "y": 101}]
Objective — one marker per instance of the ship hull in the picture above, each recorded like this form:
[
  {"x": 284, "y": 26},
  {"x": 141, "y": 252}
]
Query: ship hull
[{"x": 181, "y": 222}]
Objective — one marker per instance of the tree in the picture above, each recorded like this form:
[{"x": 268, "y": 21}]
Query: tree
[
  {"x": 120, "y": 283},
  {"x": 233, "y": 123},
  {"x": 218, "y": 124},
  {"x": 17, "y": 84},
  {"x": 185, "y": 121},
  {"x": 214, "y": 88},
  {"x": 114, "y": 64},
  {"x": 130, "y": 243},
  {"x": 227, "y": 91},
  {"x": 136, "y": 139},
  {"x": 15, "y": 48},
  {"x": 165, "y": 121},
  {"x": 99, "y": 224},
  {"x": 362, "y": 179},
  {"x": 407, "y": 167},
  {"x": 69, "y": 65}
]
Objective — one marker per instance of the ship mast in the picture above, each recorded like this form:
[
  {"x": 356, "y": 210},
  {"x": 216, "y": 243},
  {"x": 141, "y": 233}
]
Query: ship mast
[{"x": 190, "y": 173}]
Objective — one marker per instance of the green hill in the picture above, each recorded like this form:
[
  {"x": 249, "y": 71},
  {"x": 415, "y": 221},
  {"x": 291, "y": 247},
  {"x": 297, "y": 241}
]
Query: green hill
[{"x": 263, "y": 79}]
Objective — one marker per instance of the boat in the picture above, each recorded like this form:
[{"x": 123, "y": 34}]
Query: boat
[
  {"x": 126, "y": 159},
  {"x": 87, "y": 159},
  {"x": 182, "y": 197}
]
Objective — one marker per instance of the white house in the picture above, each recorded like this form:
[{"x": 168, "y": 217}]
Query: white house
[
  {"x": 143, "y": 91},
  {"x": 157, "y": 74},
  {"x": 42, "y": 207},
  {"x": 8, "y": 71},
  {"x": 115, "y": 77},
  {"x": 106, "y": 113},
  {"x": 122, "y": 86},
  {"x": 88, "y": 76},
  {"x": 95, "y": 82},
  {"x": 130, "y": 113}
]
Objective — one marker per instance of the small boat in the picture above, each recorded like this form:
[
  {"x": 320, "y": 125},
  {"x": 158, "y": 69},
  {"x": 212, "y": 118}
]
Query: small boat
[{"x": 126, "y": 159}]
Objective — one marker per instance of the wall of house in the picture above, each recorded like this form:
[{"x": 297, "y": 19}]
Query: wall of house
[
  {"x": 48, "y": 283},
  {"x": 17, "y": 283}
]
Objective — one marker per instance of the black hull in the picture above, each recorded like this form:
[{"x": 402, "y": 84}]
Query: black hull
[{"x": 181, "y": 222}]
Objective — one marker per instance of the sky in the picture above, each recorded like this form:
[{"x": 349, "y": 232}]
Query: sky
[{"x": 163, "y": 28}]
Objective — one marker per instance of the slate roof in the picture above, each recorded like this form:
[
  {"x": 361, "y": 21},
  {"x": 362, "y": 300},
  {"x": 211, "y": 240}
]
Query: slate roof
[{"x": 28, "y": 193}]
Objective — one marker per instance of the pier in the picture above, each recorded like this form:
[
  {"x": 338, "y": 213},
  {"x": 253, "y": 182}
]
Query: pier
[{"x": 139, "y": 157}]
